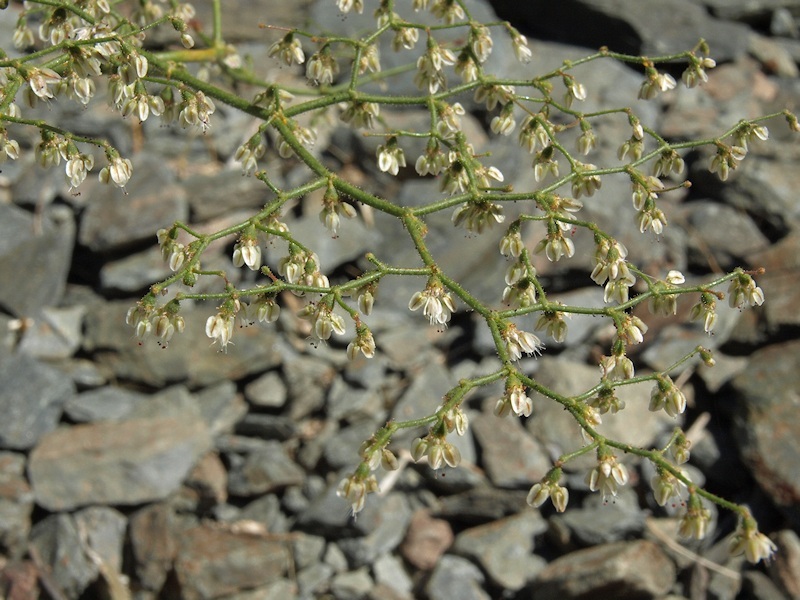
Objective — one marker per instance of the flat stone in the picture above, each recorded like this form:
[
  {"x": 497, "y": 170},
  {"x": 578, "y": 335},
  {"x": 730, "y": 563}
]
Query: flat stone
[
  {"x": 390, "y": 573},
  {"x": 426, "y": 541},
  {"x": 134, "y": 273},
  {"x": 652, "y": 27},
  {"x": 154, "y": 544},
  {"x": 456, "y": 577},
  {"x": 16, "y": 504},
  {"x": 785, "y": 566},
  {"x": 221, "y": 407},
  {"x": 504, "y": 549},
  {"x": 114, "y": 222},
  {"x": 124, "y": 463},
  {"x": 105, "y": 530},
  {"x": 600, "y": 520},
  {"x": 104, "y": 404},
  {"x": 511, "y": 457},
  {"x": 32, "y": 397},
  {"x": 214, "y": 562},
  {"x": 779, "y": 282},
  {"x": 57, "y": 543},
  {"x": 721, "y": 233},
  {"x": 352, "y": 585},
  {"x": 637, "y": 569},
  {"x": 190, "y": 356},
  {"x": 35, "y": 256},
  {"x": 767, "y": 424},
  {"x": 307, "y": 379},
  {"x": 267, "y": 391},
  {"x": 482, "y": 504},
  {"x": 266, "y": 470},
  {"x": 55, "y": 334},
  {"x": 384, "y": 522}
]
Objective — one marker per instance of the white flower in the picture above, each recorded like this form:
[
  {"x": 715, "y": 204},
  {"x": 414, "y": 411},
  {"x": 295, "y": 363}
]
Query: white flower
[
  {"x": 743, "y": 290},
  {"x": 247, "y": 252},
  {"x": 607, "y": 475},
  {"x": 437, "y": 304},
  {"x": 40, "y": 80},
  {"x": 391, "y": 157},
  {"x": 666, "y": 486},
  {"x": 616, "y": 367},
  {"x": 219, "y": 328},
  {"x": 521, "y": 342},
  {"x": 540, "y": 492},
  {"x": 755, "y": 545},
  {"x": 118, "y": 172}
]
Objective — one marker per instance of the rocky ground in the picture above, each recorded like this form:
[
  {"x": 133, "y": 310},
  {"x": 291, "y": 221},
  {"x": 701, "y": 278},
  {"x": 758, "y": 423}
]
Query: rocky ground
[{"x": 134, "y": 471}]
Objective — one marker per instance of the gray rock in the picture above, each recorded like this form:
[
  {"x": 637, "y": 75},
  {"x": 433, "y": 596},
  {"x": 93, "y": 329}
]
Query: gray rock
[
  {"x": 32, "y": 396},
  {"x": 35, "y": 257},
  {"x": 103, "y": 404},
  {"x": 190, "y": 356},
  {"x": 482, "y": 504},
  {"x": 341, "y": 449},
  {"x": 602, "y": 520},
  {"x": 629, "y": 570},
  {"x": 722, "y": 234},
  {"x": 221, "y": 407},
  {"x": 767, "y": 424},
  {"x": 383, "y": 524},
  {"x": 266, "y": 470},
  {"x": 57, "y": 543},
  {"x": 390, "y": 572},
  {"x": 314, "y": 580},
  {"x": 354, "y": 404},
  {"x": 153, "y": 202},
  {"x": 352, "y": 585},
  {"x": 765, "y": 186},
  {"x": 122, "y": 463},
  {"x": 652, "y": 27},
  {"x": 267, "y": 391},
  {"x": 428, "y": 386},
  {"x": 757, "y": 586},
  {"x": 204, "y": 193},
  {"x": 16, "y": 504},
  {"x": 782, "y": 264},
  {"x": 214, "y": 562},
  {"x": 267, "y": 427},
  {"x": 456, "y": 577},
  {"x": 504, "y": 549},
  {"x": 134, "y": 273},
  {"x": 308, "y": 379},
  {"x": 510, "y": 456},
  {"x": 154, "y": 545},
  {"x": 104, "y": 530},
  {"x": 745, "y": 10},
  {"x": 307, "y": 549},
  {"x": 266, "y": 510},
  {"x": 280, "y": 589},
  {"x": 785, "y": 566},
  {"x": 56, "y": 333}
]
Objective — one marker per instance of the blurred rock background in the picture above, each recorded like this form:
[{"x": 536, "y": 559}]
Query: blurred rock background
[{"x": 134, "y": 471}]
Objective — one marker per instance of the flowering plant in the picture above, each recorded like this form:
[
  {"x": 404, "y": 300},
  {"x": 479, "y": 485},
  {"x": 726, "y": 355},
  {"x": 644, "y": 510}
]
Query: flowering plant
[{"x": 92, "y": 45}]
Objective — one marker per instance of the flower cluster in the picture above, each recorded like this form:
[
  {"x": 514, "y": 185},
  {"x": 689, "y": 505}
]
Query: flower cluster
[
  {"x": 607, "y": 475},
  {"x": 436, "y": 304},
  {"x": 102, "y": 46}
]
